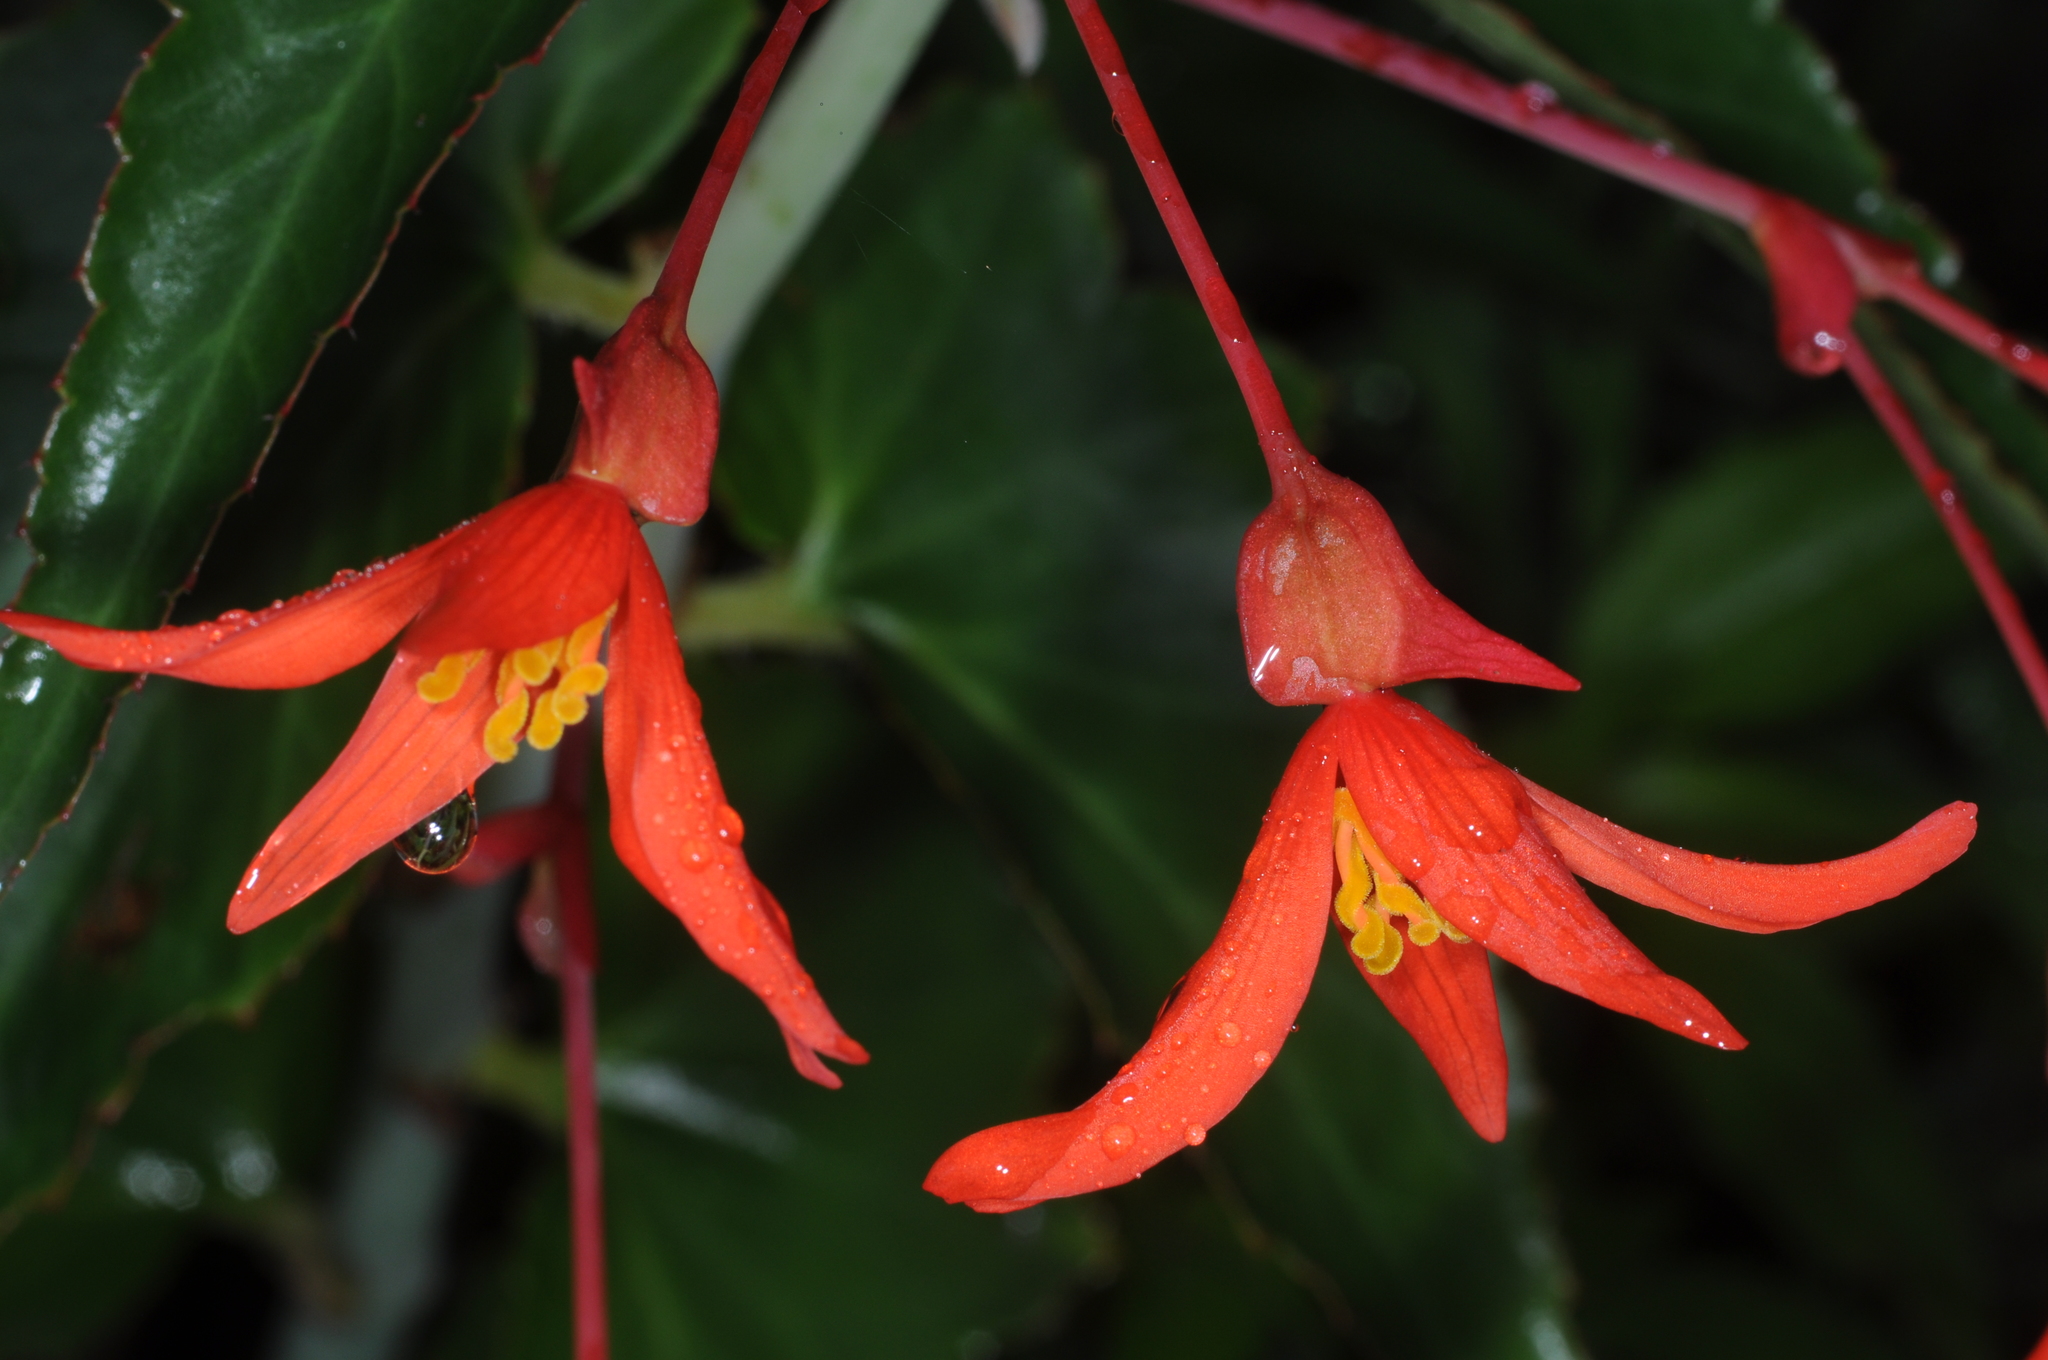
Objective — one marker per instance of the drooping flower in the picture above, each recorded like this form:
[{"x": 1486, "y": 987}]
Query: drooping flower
[
  {"x": 502, "y": 626},
  {"x": 1423, "y": 851}
]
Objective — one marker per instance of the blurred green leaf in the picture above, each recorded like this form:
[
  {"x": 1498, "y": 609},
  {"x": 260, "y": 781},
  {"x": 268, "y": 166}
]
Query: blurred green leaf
[
  {"x": 271, "y": 149},
  {"x": 227, "y": 1135},
  {"x": 1785, "y": 574},
  {"x": 1878, "y": 1210},
  {"x": 751, "y": 1213},
  {"x": 1027, "y": 487},
  {"x": 571, "y": 139}
]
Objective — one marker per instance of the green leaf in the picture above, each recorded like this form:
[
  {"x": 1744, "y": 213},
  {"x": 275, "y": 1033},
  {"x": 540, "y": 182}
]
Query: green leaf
[
  {"x": 1750, "y": 87},
  {"x": 571, "y": 139},
  {"x": 1788, "y": 572},
  {"x": 1026, "y": 487},
  {"x": 229, "y": 1133},
  {"x": 271, "y": 149},
  {"x": 114, "y": 939}
]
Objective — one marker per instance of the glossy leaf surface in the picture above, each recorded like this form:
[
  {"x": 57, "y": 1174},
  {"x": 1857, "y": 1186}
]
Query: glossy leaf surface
[
  {"x": 116, "y": 937},
  {"x": 271, "y": 151}
]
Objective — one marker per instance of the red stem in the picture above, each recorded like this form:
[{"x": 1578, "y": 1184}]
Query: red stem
[
  {"x": 1948, "y": 507},
  {"x": 576, "y": 976},
  {"x": 1277, "y": 439},
  {"x": 1883, "y": 269},
  {"x": 686, "y": 256}
]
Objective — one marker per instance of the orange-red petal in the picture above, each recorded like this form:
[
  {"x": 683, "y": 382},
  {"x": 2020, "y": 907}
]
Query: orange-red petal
[
  {"x": 1443, "y": 996},
  {"x": 1216, "y": 1037},
  {"x": 1736, "y": 894},
  {"x": 406, "y": 759},
  {"x": 674, "y": 830},
  {"x": 1459, "y": 824},
  {"x": 300, "y": 641},
  {"x": 530, "y": 570}
]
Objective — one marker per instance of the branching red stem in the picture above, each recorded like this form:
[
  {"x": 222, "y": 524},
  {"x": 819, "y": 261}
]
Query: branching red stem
[
  {"x": 686, "y": 256},
  {"x": 1882, "y": 268},
  {"x": 1530, "y": 110},
  {"x": 1948, "y": 507},
  {"x": 1277, "y": 439}
]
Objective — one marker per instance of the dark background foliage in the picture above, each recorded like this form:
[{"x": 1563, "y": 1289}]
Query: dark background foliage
[{"x": 962, "y": 622}]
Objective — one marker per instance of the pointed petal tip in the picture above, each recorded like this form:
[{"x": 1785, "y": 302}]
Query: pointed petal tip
[
  {"x": 998, "y": 1170},
  {"x": 804, "y": 1057}
]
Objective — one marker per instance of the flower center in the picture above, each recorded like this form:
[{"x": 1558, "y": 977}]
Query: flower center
[
  {"x": 569, "y": 662},
  {"x": 1371, "y": 893}
]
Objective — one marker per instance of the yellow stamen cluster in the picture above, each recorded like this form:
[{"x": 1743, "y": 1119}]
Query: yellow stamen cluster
[
  {"x": 541, "y": 716},
  {"x": 1371, "y": 893}
]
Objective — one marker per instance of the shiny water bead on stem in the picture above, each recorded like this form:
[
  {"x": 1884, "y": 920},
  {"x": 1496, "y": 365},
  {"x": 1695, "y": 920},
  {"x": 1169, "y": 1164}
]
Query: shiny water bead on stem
[{"x": 440, "y": 841}]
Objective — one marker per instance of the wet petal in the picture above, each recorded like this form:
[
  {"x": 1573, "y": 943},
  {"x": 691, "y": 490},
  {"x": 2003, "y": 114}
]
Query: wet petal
[
  {"x": 1537, "y": 917},
  {"x": 530, "y": 570},
  {"x": 301, "y": 641},
  {"x": 1443, "y": 996},
  {"x": 406, "y": 759},
  {"x": 1738, "y": 895},
  {"x": 1220, "y": 1032},
  {"x": 1425, "y": 790},
  {"x": 673, "y": 829},
  {"x": 1438, "y": 804}
]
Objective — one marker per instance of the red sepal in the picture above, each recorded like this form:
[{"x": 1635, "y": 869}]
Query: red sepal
[
  {"x": 529, "y": 570},
  {"x": 406, "y": 759},
  {"x": 650, "y": 416},
  {"x": 302, "y": 641},
  {"x": 1443, "y": 996},
  {"x": 1332, "y": 605},
  {"x": 508, "y": 840},
  {"x": 674, "y": 830},
  {"x": 1457, "y": 822},
  {"x": 1738, "y": 895},
  {"x": 1216, "y": 1037},
  {"x": 1811, "y": 285}
]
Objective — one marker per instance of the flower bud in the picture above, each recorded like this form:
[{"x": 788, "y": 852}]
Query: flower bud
[
  {"x": 1332, "y": 605},
  {"x": 650, "y": 417},
  {"x": 1811, "y": 285}
]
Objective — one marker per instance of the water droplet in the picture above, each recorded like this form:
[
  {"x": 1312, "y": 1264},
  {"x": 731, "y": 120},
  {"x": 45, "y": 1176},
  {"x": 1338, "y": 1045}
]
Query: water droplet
[
  {"x": 1229, "y": 1035},
  {"x": 730, "y": 827},
  {"x": 1261, "y": 1058},
  {"x": 441, "y": 840},
  {"x": 696, "y": 857},
  {"x": 1196, "y": 1135},
  {"x": 1538, "y": 97},
  {"x": 1117, "y": 1140}
]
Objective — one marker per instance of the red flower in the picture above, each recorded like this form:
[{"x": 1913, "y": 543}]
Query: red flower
[
  {"x": 500, "y": 625},
  {"x": 1424, "y": 851}
]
